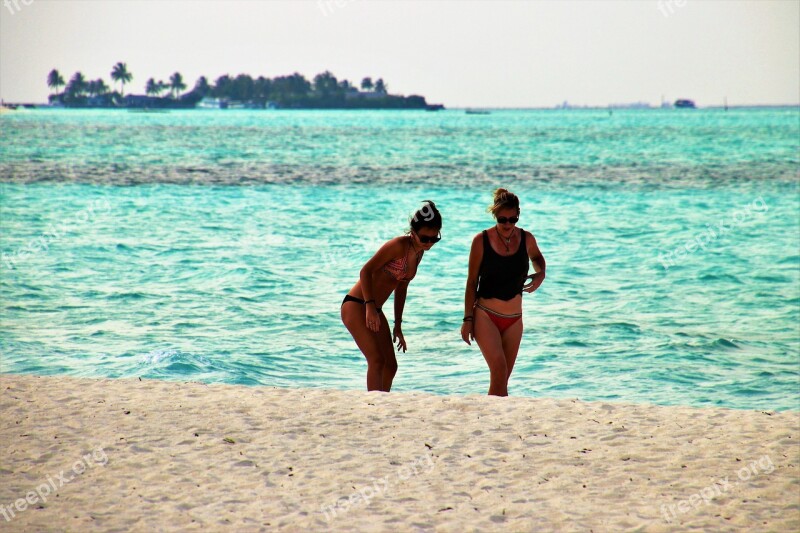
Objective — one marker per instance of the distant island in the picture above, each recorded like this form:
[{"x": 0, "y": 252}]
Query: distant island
[{"x": 241, "y": 92}]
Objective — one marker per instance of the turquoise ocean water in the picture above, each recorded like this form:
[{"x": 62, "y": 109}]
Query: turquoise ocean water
[{"x": 217, "y": 246}]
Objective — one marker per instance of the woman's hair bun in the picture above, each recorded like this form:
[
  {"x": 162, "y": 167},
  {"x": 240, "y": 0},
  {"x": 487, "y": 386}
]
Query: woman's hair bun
[
  {"x": 426, "y": 216},
  {"x": 503, "y": 199}
]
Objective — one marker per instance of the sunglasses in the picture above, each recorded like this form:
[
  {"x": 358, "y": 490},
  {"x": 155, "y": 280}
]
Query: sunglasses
[
  {"x": 503, "y": 220},
  {"x": 425, "y": 240}
]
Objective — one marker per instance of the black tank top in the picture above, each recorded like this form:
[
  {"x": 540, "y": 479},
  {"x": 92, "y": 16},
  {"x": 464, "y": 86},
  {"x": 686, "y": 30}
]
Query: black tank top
[{"x": 502, "y": 276}]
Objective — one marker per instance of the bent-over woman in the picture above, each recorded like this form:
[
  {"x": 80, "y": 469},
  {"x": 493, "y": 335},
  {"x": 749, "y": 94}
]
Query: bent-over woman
[{"x": 391, "y": 269}]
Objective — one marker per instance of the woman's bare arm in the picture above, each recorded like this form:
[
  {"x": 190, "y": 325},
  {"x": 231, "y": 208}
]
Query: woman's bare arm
[
  {"x": 390, "y": 250},
  {"x": 471, "y": 290},
  {"x": 386, "y": 253},
  {"x": 538, "y": 262},
  {"x": 399, "y": 303}
]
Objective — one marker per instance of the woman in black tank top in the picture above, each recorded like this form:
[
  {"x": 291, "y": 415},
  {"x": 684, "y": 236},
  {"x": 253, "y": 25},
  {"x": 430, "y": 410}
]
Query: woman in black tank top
[{"x": 498, "y": 270}]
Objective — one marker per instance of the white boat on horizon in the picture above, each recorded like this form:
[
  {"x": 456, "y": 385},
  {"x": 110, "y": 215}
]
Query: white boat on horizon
[{"x": 211, "y": 103}]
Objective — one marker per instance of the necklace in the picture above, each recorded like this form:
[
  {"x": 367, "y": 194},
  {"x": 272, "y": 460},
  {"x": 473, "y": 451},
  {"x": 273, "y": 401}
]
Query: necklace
[{"x": 506, "y": 240}]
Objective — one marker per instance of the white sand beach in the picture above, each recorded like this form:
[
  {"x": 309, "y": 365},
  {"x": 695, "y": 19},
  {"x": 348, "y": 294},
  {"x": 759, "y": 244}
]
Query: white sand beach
[{"x": 131, "y": 455}]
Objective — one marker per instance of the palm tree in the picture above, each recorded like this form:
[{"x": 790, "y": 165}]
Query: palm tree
[
  {"x": 176, "y": 84},
  {"x": 366, "y": 84},
  {"x": 77, "y": 85},
  {"x": 151, "y": 87},
  {"x": 222, "y": 86},
  {"x": 241, "y": 88},
  {"x": 325, "y": 83},
  {"x": 262, "y": 87},
  {"x": 120, "y": 73},
  {"x": 100, "y": 86},
  {"x": 380, "y": 87},
  {"x": 298, "y": 84},
  {"x": 91, "y": 88},
  {"x": 201, "y": 87},
  {"x": 54, "y": 80},
  {"x": 161, "y": 87}
]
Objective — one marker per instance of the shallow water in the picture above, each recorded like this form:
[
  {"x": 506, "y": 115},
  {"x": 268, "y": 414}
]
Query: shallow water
[{"x": 217, "y": 246}]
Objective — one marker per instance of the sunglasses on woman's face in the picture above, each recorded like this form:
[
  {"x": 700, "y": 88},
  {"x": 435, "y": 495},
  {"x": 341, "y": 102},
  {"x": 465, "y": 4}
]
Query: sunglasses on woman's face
[
  {"x": 511, "y": 220},
  {"x": 424, "y": 239}
]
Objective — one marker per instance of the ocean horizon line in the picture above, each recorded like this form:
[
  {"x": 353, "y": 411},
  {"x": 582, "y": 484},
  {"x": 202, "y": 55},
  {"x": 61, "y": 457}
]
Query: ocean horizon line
[{"x": 556, "y": 107}]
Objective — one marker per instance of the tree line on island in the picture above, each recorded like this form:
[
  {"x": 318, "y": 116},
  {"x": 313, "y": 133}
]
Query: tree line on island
[{"x": 291, "y": 92}]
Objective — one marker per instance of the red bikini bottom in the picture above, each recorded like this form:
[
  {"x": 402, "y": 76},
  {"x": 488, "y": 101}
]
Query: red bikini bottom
[{"x": 503, "y": 322}]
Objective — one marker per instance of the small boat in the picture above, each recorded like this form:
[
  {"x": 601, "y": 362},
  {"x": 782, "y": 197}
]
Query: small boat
[
  {"x": 477, "y": 112},
  {"x": 685, "y": 104}
]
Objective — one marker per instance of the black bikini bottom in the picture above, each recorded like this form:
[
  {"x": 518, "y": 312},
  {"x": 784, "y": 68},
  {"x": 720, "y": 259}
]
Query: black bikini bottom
[{"x": 348, "y": 298}]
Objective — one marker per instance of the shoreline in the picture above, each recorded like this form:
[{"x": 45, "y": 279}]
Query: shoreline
[
  {"x": 148, "y": 454},
  {"x": 356, "y": 387},
  {"x": 42, "y": 105}
]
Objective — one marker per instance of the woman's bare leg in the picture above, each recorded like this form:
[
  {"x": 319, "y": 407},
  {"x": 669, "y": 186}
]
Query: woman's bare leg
[
  {"x": 354, "y": 319},
  {"x": 491, "y": 344},
  {"x": 389, "y": 359},
  {"x": 512, "y": 337}
]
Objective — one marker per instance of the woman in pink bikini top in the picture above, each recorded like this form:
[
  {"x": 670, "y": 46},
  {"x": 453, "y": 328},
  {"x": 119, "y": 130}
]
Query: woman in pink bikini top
[
  {"x": 388, "y": 271},
  {"x": 397, "y": 268}
]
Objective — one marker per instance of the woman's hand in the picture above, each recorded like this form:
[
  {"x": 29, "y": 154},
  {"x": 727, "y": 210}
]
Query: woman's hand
[
  {"x": 397, "y": 336},
  {"x": 536, "y": 280},
  {"x": 468, "y": 331},
  {"x": 373, "y": 318}
]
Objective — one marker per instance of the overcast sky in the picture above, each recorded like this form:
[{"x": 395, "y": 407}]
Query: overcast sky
[{"x": 460, "y": 53}]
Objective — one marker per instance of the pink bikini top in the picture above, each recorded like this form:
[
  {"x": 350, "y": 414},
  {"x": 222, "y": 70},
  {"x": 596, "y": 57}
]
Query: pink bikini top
[{"x": 397, "y": 267}]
